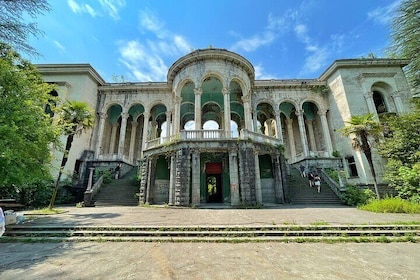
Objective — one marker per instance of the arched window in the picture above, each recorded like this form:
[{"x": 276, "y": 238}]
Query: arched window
[
  {"x": 379, "y": 102},
  {"x": 49, "y": 107}
]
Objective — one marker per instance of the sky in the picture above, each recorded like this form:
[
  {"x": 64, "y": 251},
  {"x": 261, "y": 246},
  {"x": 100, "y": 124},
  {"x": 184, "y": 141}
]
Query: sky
[{"x": 139, "y": 40}]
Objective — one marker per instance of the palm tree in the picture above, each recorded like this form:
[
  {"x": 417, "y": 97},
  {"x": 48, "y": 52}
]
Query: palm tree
[
  {"x": 75, "y": 117},
  {"x": 364, "y": 128}
]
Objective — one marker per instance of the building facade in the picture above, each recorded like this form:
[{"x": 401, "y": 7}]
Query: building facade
[{"x": 213, "y": 133}]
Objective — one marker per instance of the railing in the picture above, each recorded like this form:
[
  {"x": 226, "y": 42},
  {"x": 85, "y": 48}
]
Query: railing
[
  {"x": 337, "y": 189},
  {"x": 187, "y": 135},
  {"x": 258, "y": 137}
]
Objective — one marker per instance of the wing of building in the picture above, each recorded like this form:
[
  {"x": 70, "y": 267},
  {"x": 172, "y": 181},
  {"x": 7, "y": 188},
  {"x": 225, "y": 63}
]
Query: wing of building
[{"x": 213, "y": 133}]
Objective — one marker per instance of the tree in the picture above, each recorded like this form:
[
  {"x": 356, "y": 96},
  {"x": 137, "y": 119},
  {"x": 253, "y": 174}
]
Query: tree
[
  {"x": 364, "y": 128},
  {"x": 26, "y": 131},
  {"x": 406, "y": 37},
  {"x": 75, "y": 117},
  {"x": 14, "y": 28},
  {"x": 402, "y": 148}
]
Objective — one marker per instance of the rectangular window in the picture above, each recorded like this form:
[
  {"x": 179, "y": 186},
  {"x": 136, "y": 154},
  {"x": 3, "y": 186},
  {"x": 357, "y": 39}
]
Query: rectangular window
[{"x": 352, "y": 166}]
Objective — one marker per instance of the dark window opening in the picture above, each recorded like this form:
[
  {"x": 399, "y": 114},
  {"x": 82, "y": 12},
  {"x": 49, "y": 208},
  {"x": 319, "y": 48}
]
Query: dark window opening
[
  {"x": 352, "y": 166},
  {"x": 379, "y": 102},
  {"x": 50, "y": 106}
]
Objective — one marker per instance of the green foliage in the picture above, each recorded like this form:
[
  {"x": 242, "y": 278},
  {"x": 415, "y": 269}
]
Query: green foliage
[
  {"x": 406, "y": 38},
  {"x": 365, "y": 131},
  {"x": 402, "y": 149},
  {"x": 26, "y": 131},
  {"x": 355, "y": 196},
  {"x": 15, "y": 28},
  {"x": 392, "y": 205},
  {"x": 104, "y": 172}
]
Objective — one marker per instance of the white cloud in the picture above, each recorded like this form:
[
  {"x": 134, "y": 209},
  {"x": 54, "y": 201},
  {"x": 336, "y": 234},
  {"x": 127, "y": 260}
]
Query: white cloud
[
  {"x": 275, "y": 27},
  {"x": 260, "y": 75},
  {"x": 253, "y": 43},
  {"x": 81, "y": 8},
  {"x": 112, "y": 7},
  {"x": 59, "y": 46},
  {"x": 384, "y": 15},
  {"x": 146, "y": 60}
]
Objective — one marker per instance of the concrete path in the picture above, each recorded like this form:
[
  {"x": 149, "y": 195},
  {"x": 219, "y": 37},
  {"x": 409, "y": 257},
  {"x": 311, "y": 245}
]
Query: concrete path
[
  {"x": 137, "y": 260},
  {"x": 152, "y": 216}
]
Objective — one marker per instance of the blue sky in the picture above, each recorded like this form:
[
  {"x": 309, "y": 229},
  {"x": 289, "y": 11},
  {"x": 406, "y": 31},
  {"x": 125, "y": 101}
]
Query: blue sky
[{"x": 140, "y": 39}]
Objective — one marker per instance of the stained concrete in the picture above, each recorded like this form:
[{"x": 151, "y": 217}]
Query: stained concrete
[{"x": 135, "y": 260}]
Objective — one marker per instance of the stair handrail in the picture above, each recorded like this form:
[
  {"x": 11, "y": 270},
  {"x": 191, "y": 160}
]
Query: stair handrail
[{"x": 336, "y": 188}]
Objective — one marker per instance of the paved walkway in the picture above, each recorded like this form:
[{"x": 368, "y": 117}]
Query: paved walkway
[
  {"x": 169, "y": 216},
  {"x": 266, "y": 260}
]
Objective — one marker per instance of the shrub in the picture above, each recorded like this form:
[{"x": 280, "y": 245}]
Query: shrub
[
  {"x": 392, "y": 205},
  {"x": 355, "y": 196}
]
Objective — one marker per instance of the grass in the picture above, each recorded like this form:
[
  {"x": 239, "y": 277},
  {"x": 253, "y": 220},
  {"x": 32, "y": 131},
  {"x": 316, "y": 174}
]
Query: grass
[
  {"x": 45, "y": 211},
  {"x": 392, "y": 205}
]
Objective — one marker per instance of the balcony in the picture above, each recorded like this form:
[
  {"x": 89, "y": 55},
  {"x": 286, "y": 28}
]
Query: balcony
[{"x": 212, "y": 135}]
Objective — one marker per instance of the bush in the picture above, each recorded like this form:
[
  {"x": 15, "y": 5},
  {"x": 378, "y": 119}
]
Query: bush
[
  {"x": 104, "y": 172},
  {"x": 392, "y": 205},
  {"x": 355, "y": 196}
]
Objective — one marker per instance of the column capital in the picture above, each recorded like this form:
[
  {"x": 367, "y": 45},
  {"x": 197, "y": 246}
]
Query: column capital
[
  {"x": 198, "y": 91},
  {"x": 225, "y": 90},
  {"x": 246, "y": 99},
  {"x": 178, "y": 99},
  {"x": 322, "y": 112},
  {"x": 125, "y": 115},
  {"x": 103, "y": 115},
  {"x": 299, "y": 113},
  {"x": 396, "y": 93},
  {"x": 368, "y": 94}
]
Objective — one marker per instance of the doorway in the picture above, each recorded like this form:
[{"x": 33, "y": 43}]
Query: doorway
[{"x": 214, "y": 188}]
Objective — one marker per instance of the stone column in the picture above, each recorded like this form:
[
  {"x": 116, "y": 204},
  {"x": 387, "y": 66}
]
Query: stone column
[
  {"x": 289, "y": 124},
  {"x": 146, "y": 117},
  {"x": 258, "y": 193},
  {"x": 133, "y": 141},
  {"x": 114, "y": 128},
  {"x": 197, "y": 108},
  {"x": 371, "y": 104},
  {"x": 172, "y": 178},
  {"x": 302, "y": 132},
  {"x": 278, "y": 184},
  {"x": 247, "y": 112},
  {"x": 176, "y": 121},
  {"x": 195, "y": 191},
  {"x": 168, "y": 124},
  {"x": 123, "y": 129},
  {"x": 398, "y": 104},
  {"x": 226, "y": 101},
  {"x": 255, "y": 121},
  {"x": 102, "y": 119},
  {"x": 234, "y": 178},
  {"x": 312, "y": 143},
  {"x": 326, "y": 131},
  {"x": 278, "y": 126}
]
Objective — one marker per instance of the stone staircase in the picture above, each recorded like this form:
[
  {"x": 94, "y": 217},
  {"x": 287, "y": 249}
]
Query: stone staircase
[
  {"x": 121, "y": 192},
  {"x": 302, "y": 193},
  {"x": 225, "y": 234}
]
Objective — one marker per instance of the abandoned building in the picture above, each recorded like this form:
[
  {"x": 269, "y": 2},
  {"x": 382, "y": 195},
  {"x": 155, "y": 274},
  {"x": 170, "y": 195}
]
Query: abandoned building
[{"x": 212, "y": 133}]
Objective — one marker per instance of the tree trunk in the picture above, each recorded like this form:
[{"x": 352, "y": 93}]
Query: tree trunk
[
  {"x": 60, "y": 172},
  {"x": 368, "y": 154}
]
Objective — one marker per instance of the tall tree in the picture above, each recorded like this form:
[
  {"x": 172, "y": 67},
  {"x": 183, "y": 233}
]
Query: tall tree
[
  {"x": 14, "y": 28},
  {"x": 75, "y": 117},
  {"x": 26, "y": 131},
  {"x": 406, "y": 37},
  {"x": 365, "y": 130},
  {"x": 402, "y": 148}
]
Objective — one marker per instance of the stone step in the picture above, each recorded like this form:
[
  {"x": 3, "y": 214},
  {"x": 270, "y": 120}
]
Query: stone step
[{"x": 281, "y": 233}]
